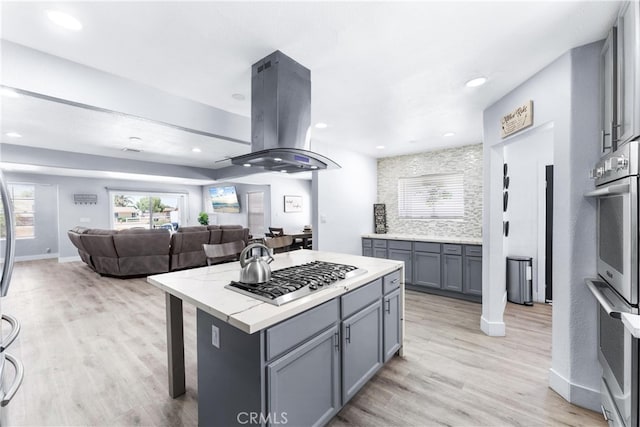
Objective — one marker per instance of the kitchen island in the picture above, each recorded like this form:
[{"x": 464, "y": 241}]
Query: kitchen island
[{"x": 297, "y": 363}]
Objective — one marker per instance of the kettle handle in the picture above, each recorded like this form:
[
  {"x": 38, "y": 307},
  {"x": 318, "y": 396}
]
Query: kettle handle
[{"x": 249, "y": 249}]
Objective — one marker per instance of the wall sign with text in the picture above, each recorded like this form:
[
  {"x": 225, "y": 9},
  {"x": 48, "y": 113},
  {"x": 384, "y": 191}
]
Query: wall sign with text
[{"x": 518, "y": 119}]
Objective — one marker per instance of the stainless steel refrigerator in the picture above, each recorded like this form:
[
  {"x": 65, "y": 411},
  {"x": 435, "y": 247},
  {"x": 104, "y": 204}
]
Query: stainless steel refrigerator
[{"x": 11, "y": 369}]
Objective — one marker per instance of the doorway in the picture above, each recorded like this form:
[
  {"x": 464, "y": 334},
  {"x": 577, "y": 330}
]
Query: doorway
[
  {"x": 548, "y": 263},
  {"x": 528, "y": 157}
]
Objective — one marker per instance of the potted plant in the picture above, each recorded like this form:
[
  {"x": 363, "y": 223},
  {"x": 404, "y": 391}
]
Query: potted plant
[{"x": 203, "y": 218}]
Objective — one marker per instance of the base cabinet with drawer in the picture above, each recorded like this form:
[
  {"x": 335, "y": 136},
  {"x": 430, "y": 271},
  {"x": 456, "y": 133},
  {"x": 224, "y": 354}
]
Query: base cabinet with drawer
[
  {"x": 400, "y": 250},
  {"x": 426, "y": 265},
  {"x": 450, "y": 269},
  {"x": 305, "y": 383},
  {"x": 303, "y": 369}
]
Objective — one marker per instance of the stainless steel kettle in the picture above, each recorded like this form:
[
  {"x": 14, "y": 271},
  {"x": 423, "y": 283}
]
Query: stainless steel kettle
[{"x": 255, "y": 269}]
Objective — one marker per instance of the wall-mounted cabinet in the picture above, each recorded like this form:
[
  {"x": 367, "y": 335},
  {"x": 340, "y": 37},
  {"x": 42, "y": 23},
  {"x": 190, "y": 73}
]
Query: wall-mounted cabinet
[
  {"x": 628, "y": 72},
  {"x": 620, "y": 80},
  {"x": 442, "y": 268}
]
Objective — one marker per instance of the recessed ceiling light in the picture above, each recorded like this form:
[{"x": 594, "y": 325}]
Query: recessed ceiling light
[
  {"x": 247, "y": 165},
  {"x": 380, "y": 147},
  {"x": 196, "y": 150},
  {"x": 13, "y": 135},
  {"x": 283, "y": 171},
  {"x": 277, "y": 159},
  {"x": 9, "y": 92},
  {"x": 238, "y": 96},
  {"x": 131, "y": 150},
  {"x": 448, "y": 134},
  {"x": 478, "y": 81},
  {"x": 135, "y": 139},
  {"x": 64, "y": 20},
  {"x": 314, "y": 167},
  {"x": 321, "y": 125}
]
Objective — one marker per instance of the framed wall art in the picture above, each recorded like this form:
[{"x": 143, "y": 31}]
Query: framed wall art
[{"x": 293, "y": 203}]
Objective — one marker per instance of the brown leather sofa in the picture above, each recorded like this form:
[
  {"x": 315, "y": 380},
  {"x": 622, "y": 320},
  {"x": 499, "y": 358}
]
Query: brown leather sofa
[
  {"x": 140, "y": 252},
  {"x": 186, "y": 245}
]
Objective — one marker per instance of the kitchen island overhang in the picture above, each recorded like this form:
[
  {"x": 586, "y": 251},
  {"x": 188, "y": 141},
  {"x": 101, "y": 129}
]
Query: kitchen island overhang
[{"x": 242, "y": 323}]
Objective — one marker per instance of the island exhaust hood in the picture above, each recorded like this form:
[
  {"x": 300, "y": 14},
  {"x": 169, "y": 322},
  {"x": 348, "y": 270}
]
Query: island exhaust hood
[{"x": 281, "y": 118}]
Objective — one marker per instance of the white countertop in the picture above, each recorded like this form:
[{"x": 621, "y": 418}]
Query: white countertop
[
  {"x": 204, "y": 287},
  {"x": 632, "y": 323},
  {"x": 422, "y": 238}
]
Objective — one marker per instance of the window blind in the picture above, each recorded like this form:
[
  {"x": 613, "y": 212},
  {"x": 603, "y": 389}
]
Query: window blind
[{"x": 438, "y": 196}]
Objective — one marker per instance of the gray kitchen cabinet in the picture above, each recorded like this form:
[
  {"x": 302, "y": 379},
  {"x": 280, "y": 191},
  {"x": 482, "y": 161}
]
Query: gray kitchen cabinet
[
  {"x": 361, "y": 348},
  {"x": 391, "y": 324},
  {"x": 452, "y": 272},
  {"x": 379, "y": 248},
  {"x": 608, "y": 92},
  {"x": 426, "y": 269},
  {"x": 628, "y": 72},
  {"x": 401, "y": 251},
  {"x": 450, "y": 269},
  {"x": 304, "y": 384},
  {"x": 472, "y": 275},
  {"x": 367, "y": 247}
]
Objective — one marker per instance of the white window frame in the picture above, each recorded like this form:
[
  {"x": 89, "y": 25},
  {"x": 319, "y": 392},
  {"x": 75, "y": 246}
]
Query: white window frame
[
  {"x": 10, "y": 186},
  {"x": 184, "y": 213},
  {"x": 433, "y": 196}
]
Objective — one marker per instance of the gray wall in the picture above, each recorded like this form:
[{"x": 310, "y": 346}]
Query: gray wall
[
  {"x": 565, "y": 97},
  {"x": 69, "y": 215},
  {"x": 45, "y": 242},
  {"x": 466, "y": 160}
]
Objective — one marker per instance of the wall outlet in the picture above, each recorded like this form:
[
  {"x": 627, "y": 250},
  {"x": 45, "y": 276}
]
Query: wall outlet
[{"x": 215, "y": 336}]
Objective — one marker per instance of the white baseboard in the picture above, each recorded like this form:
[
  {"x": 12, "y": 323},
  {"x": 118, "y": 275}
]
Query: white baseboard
[
  {"x": 493, "y": 329},
  {"x": 35, "y": 257},
  {"x": 69, "y": 259},
  {"x": 574, "y": 393}
]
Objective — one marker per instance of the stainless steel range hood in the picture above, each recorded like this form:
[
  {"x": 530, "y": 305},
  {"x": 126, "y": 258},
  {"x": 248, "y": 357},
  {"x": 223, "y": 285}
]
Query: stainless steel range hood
[{"x": 281, "y": 118}]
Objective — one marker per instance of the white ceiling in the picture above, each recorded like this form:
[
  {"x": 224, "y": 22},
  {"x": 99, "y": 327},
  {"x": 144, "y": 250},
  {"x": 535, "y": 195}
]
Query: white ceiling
[{"x": 383, "y": 73}]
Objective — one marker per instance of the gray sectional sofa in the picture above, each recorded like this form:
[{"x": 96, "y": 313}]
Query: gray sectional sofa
[{"x": 140, "y": 252}]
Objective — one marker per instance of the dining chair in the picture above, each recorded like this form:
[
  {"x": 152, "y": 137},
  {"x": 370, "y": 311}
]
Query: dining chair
[
  {"x": 223, "y": 252},
  {"x": 275, "y": 232},
  {"x": 279, "y": 244}
]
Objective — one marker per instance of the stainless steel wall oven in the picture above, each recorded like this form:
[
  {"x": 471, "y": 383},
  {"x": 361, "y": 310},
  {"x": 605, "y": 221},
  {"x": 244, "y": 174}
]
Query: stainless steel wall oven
[{"x": 616, "y": 288}]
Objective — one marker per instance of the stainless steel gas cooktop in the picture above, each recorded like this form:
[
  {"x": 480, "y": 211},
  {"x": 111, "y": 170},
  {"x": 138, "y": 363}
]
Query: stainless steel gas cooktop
[{"x": 291, "y": 283}]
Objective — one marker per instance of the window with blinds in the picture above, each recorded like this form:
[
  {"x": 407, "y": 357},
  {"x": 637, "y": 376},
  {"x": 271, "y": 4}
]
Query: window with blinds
[
  {"x": 256, "y": 213},
  {"x": 438, "y": 196}
]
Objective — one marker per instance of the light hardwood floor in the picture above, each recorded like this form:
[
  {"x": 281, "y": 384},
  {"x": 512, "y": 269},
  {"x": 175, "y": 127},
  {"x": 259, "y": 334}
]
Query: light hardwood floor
[{"x": 94, "y": 354}]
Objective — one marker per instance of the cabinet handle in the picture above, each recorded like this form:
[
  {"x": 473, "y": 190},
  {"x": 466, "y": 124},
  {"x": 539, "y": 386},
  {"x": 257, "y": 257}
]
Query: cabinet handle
[
  {"x": 605, "y": 413},
  {"x": 602, "y": 135},
  {"x": 348, "y": 337},
  {"x": 394, "y": 281},
  {"x": 388, "y": 309},
  {"x": 336, "y": 340}
]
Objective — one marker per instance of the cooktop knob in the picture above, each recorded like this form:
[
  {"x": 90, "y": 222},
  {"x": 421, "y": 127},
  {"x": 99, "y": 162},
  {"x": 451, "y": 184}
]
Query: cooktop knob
[{"x": 313, "y": 287}]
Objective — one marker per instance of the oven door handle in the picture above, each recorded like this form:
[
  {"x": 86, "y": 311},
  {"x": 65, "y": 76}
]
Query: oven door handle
[
  {"x": 608, "y": 299},
  {"x": 608, "y": 190}
]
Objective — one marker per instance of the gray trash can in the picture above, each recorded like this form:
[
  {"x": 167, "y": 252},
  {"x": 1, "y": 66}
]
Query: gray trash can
[{"x": 519, "y": 271}]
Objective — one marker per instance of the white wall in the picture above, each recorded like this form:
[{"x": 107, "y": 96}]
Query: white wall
[
  {"x": 565, "y": 97},
  {"x": 69, "y": 214},
  {"x": 345, "y": 200},
  {"x": 526, "y": 156}
]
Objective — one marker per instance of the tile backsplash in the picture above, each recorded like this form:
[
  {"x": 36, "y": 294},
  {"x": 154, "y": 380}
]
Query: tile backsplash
[{"x": 466, "y": 159}]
